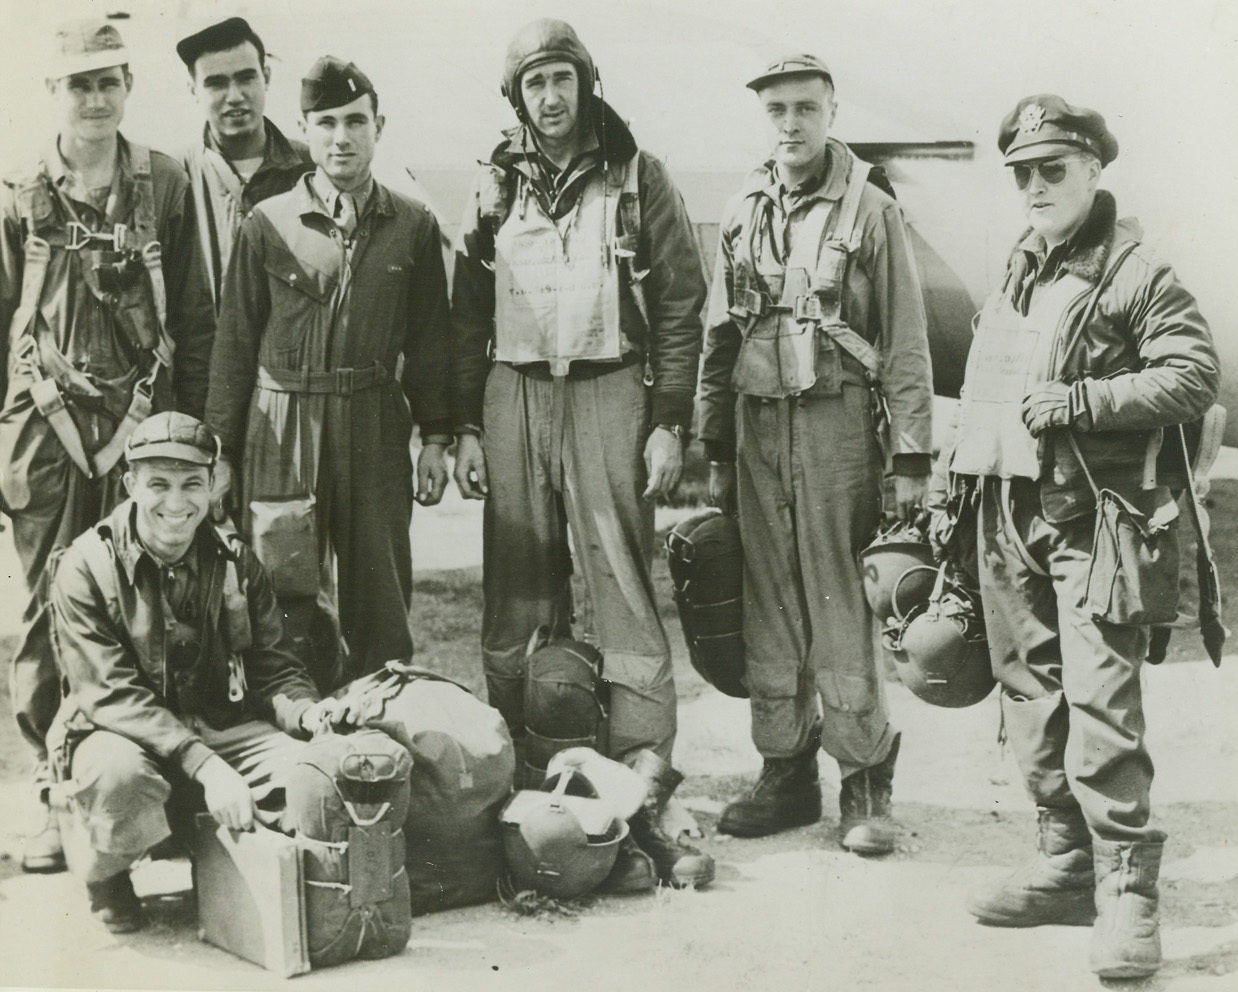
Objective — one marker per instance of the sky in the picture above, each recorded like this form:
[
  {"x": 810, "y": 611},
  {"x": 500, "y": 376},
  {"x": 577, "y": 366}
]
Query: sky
[{"x": 1165, "y": 77}]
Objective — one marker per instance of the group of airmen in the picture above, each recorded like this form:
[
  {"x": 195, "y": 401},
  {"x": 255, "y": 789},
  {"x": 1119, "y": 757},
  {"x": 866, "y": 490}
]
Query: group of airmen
[{"x": 252, "y": 331}]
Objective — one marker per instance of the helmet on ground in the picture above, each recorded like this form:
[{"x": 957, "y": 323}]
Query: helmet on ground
[
  {"x": 706, "y": 562},
  {"x": 940, "y": 650},
  {"x": 560, "y": 845},
  {"x": 898, "y": 546},
  {"x": 595, "y": 776}
]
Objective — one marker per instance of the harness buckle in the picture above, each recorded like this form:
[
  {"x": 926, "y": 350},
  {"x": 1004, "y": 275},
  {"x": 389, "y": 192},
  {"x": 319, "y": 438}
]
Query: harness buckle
[
  {"x": 751, "y": 301},
  {"x": 808, "y": 308},
  {"x": 80, "y": 236}
]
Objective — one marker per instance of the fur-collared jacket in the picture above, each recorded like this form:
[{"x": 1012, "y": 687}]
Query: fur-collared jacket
[{"x": 1145, "y": 356}]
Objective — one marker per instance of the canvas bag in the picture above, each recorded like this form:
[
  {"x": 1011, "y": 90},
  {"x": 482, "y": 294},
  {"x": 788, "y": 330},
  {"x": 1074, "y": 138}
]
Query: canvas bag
[{"x": 463, "y": 765}]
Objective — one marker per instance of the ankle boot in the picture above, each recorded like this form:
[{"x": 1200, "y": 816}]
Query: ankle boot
[
  {"x": 1055, "y": 887},
  {"x": 1126, "y": 939},
  {"x": 678, "y": 863},
  {"x": 864, "y": 825},
  {"x": 43, "y": 852},
  {"x": 634, "y": 872},
  {"x": 114, "y": 904},
  {"x": 787, "y": 794}
]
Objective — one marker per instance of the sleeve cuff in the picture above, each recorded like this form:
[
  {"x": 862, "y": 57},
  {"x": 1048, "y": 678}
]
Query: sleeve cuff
[
  {"x": 720, "y": 451},
  {"x": 193, "y": 756},
  {"x": 436, "y": 429},
  {"x": 672, "y": 407},
  {"x": 913, "y": 464}
]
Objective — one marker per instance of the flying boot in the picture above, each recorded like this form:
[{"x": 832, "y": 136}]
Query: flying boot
[
  {"x": 43, "y": 852},
  {"x": 1126, "y": 939},
  {"x": 864, "y": 825},
  {"x": 1055, "y": 887},
  {"x": 114, "y": 903},
  {"x": 787, "y": 794},
  {"x": 678, "y": 863}
]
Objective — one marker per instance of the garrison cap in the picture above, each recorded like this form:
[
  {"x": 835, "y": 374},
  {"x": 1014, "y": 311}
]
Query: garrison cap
[
  {"x": 85, "y": 45},
  {"x": 172, "y": 435},
  {"x": 1046, "y": 125},
  {"x": 218, "y": 38},
  {"x": 332, "y": 83},
  {"x": 795, "y": 64}
]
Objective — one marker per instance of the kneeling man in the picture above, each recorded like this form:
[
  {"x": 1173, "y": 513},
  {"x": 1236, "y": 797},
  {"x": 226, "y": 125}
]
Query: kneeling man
[{"x": 177, "y": 671}]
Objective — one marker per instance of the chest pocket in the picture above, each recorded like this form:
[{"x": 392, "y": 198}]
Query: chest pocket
[{"x": 299, "y": 293}]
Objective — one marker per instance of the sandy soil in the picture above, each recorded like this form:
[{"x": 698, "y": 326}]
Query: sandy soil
[{"x": 789, "y": 912}]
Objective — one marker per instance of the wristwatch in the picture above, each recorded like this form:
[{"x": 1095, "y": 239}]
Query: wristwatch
[{"x": 680, "y": 432}]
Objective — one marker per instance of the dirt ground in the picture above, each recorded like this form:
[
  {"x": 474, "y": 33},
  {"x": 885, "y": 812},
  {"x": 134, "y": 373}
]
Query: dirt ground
[{"x": 791, "y": 912}]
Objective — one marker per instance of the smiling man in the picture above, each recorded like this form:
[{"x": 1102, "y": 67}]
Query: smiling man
[
  {"x": 177, "y": 670},
  {"x": 576, "y": 337},
  {"x": 242, "y": 158},
  {"x": 816, "y": 329},
  {"x": 1087, "y": 349},
  {"x": 107, "y": 318},
  {"x": 333, "y": 328}
]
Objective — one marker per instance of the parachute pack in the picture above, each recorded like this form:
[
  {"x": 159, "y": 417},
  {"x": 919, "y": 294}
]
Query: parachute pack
[
  {"x": 348, "y": 798},
  {"x": 463, "y": 765},
  {"x": 706, "y": 563}
]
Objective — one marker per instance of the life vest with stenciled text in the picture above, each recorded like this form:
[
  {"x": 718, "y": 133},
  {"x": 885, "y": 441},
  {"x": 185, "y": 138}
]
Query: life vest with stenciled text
[
  {"x": 557, "y": 281},
  {"x": 1011, "y": 353},
  {"x": 791, "y": 313}
]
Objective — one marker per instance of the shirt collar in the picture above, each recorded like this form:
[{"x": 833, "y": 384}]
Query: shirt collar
[
  {"x": 831, "y": 186},
  {"x": 328, "y": 195},
  {"x": 277, "y": 151},
  {"x": 62, "y": 176},
  {"x": 130, "y": 550}
]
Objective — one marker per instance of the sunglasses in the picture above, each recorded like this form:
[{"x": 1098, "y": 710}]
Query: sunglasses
[{"x": 1052, "y": 171}]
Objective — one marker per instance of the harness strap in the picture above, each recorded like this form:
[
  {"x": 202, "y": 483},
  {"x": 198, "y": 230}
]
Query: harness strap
[
  {"x": 34, "y": 278},
  {"x": 49, "y": 402},
  {"x": 1210, "y": 624},
  {"x": 105, "y": 458},
  {"x": 627, "y": 243}
]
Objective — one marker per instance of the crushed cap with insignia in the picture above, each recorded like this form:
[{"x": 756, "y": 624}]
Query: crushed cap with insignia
[
  {"x": 332, "y": 83},
  {"x": 219, "y": 37},
  {"x": 1046, "y": 125},
  {"x": 172, "y": 435},
  {"x": 85, "y": 45},
  {"x": 798, "y": 64}
]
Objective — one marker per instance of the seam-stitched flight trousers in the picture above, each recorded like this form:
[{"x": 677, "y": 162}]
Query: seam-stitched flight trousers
[
  {"x": 1071, "y": 696},
  {"x": 569, "y": 454},
  {"x": 809, "y": 484}
]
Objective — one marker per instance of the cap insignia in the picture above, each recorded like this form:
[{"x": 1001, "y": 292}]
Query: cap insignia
[{"x": 1030, "y": 119}]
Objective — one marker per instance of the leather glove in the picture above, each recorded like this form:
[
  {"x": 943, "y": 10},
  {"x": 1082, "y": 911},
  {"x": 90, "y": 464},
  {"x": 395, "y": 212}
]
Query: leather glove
[{"x": 1055, "y": 404}]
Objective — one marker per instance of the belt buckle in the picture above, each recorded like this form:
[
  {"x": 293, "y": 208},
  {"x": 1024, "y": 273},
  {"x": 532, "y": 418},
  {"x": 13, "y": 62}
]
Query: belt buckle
[
  {"x": 808, "y": 308},
  {"x": 344, "y": 381}
]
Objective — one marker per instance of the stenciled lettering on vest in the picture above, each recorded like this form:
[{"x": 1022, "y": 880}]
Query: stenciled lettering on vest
[
  {"x": 1010, "y": 354},
  {"x": 557, "y": 285}
]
